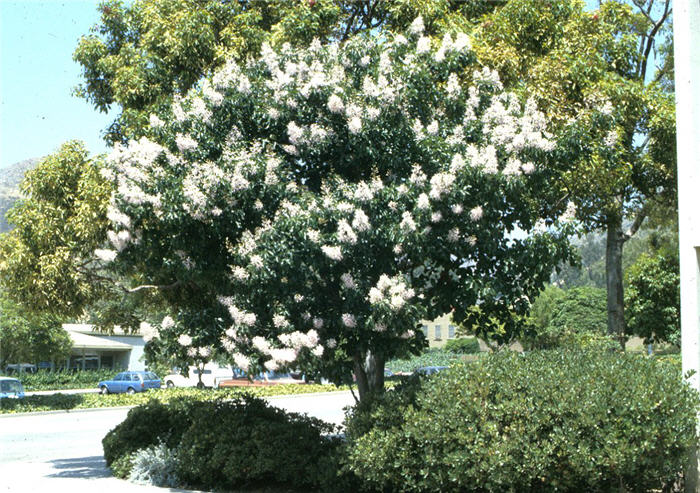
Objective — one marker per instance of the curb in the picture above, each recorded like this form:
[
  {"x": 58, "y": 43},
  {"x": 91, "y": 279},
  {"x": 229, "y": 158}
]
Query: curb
[
  {"x": 94, "y": 409},
  {"x": 59, "y": 411}
]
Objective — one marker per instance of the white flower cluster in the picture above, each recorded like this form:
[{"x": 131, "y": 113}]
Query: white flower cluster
[
  {"x": 105, "y": 255},
  {"x": 202, "y": 352},
  {"x": 392, "y": 290},
  {"x": 239, "y": 317},
  {"x": 148, "y": 331},
  {"x": 184, "y": 340},
  {"x": 332, "y": 252}
]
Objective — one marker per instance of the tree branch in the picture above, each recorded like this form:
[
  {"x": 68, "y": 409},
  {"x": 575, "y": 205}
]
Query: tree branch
[
  {"x": 652, "y": 37},
  {"x": 637, "y": 223},
  {"x": 155, "y": 286}
]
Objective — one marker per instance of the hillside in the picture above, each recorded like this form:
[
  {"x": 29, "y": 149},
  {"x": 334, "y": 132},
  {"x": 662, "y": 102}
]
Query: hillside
[{"x": 10, "y": 179}]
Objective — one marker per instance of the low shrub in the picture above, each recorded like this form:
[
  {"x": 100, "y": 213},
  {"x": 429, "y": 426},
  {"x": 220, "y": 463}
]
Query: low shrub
[
  {"x": 155, "y": 465},
  {"x": 225, "y": 445},
  {"x": 382, "y": 411},
  {"x": 247, "y": 443},
  {"x": 145, "y": 426},
  {"x": 543, "y": 421},
  {"x": 463, "y": 345}
]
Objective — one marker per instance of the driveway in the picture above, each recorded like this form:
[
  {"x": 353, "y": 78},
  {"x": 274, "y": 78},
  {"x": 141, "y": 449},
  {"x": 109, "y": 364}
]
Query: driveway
[{"x": 62, "y": 451}]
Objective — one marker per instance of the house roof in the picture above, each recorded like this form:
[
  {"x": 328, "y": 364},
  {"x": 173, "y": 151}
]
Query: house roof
[{"x": 85, "y": 341}]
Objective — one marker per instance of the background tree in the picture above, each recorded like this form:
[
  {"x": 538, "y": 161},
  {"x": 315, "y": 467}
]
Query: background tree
[
  {"x": 652, "y": 298},
  {"x": 47, "y": 261},
  {"x": 592, "y": 73},
  {"x": 311, "y": 207},
  {"x": 567, "y": 318},
  {"x": 29, "y": 339}
]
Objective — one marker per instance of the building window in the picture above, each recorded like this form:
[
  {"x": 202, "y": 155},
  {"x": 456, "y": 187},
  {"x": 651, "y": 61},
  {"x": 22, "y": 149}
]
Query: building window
[
  {"x": 438, "y": 332},
  {"x": 451, "y": 331},
  {"x": 425, "y": 331}
]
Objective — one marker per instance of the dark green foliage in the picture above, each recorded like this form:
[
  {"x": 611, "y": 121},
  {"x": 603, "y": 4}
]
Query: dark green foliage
[
  {"x": 382, "y": 411},
  {"x": 572, "y": 317},
  {"x": 463, "y": 345},
  {"x": 246, "y": 442},
  {"x": 653, "y": 298},
  {"x": 144, "y": 426},
  {"x": 542, "y": 421}
]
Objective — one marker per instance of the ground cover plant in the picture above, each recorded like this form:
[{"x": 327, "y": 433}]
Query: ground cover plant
[
  {"x": 543, "y": 421},
  {"x": 56, "y": 402}
]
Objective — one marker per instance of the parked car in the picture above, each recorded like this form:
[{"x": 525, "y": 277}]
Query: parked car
[
  {"x": 429, "y": 370},
  {"x": 212, "y": 376},
  {"x": 11, "y": 388},
  {"x": 20, "y": 368},
  {"x": 130, "y": 382},
  {"x": 263, "y": 379}
]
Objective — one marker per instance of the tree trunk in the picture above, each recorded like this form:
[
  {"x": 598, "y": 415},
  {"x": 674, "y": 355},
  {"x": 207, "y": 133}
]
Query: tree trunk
[
  {"x": 613, "y": 278},
  {"x": 369, "y": 372}
]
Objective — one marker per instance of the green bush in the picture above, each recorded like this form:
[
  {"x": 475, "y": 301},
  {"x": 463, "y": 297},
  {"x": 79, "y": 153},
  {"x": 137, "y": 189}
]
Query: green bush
[
  {"x": 145, "y": 426},
  {"x": 570, "y": 318},
  {"x": 543, "y": 421},
  {"x": 463, "y": 345},
  {"x": 226, "y": 444},
  {"x": 246, "y": 442},
  {"x": 382, "y": 411}
]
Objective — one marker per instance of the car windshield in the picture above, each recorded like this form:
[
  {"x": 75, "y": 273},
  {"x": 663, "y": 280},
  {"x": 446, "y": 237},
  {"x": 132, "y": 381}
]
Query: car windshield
[
  {"x": 151, "y": 376},
  {"x": 10, "y": 387}
]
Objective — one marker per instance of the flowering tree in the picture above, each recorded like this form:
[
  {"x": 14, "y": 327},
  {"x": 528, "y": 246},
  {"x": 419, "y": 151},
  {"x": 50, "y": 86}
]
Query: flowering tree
[{"x": 309, "y": 208}]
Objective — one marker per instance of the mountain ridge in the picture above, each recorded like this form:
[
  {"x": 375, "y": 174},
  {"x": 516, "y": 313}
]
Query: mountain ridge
[{"x": 10, "y": 179}]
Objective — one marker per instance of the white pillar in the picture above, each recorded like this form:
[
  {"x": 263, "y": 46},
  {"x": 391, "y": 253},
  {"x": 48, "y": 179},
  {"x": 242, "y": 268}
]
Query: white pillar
[{"x": 686, "y": 30}]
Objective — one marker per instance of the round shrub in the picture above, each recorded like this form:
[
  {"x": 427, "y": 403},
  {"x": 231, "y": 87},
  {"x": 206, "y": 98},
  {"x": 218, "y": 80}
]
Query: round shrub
[
  {"x": 247, "y": 443},
  {"x": 145, "y": 426},
  {"x": 463, "y": 345},
  {"x": 543, "y": 421}
]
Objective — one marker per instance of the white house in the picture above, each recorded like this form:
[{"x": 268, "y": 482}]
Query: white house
[{"x": 92, "y": 349}]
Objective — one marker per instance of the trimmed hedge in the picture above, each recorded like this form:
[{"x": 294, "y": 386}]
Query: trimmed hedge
[
  {"x": 64, "y": 379},
  {"x": 542, "y": 421},
  {"x": 463, "y": 345},
  {"x": 232, "y": 444}
]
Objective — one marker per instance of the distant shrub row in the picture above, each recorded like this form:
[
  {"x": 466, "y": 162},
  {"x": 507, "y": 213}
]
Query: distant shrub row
[{"x": 63, "y": 379}]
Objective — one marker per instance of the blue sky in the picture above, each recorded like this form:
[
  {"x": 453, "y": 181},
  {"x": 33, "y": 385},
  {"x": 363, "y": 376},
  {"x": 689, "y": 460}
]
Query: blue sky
[{"x": 37, "y": 75}]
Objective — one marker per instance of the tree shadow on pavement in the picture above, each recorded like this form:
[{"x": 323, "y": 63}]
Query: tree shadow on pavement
[{"x": 81, "y": 467}]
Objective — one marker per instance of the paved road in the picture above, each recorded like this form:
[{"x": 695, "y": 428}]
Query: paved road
[{"x": 62, "y": 451}]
